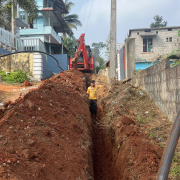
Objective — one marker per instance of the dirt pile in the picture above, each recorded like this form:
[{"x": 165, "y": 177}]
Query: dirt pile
[
  {"x": 125, "y": 148},
  {"x": 47, "y": 133}
]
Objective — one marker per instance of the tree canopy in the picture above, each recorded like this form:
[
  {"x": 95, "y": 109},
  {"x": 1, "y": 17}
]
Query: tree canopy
[
  {"x": 158, "y": 22},
  {"x": 97, "y": 54},
  {"x": 72, "y": 20},
  {"x": 70, "y": 43},
  {"x": 30, "y": 6}
]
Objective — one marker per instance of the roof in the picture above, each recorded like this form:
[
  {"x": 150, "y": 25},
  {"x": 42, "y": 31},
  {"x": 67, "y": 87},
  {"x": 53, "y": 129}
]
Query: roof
[
  {"x": 156, "y": 28},
  {"x": 59, "y": 5},
  {"x": 62, "y": 26},
  {"x": 20, "y": 23}
]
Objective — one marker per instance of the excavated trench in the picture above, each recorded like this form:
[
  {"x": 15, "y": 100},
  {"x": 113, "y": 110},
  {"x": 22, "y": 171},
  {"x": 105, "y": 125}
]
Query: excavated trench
[
  {"x": 120, "y": 150},
  {"x": 48, "y": 134},
  {"x": 103, "y": 153}
]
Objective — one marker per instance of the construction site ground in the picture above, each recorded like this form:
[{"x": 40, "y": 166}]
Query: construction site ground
[{"x": 46, "y": 132}]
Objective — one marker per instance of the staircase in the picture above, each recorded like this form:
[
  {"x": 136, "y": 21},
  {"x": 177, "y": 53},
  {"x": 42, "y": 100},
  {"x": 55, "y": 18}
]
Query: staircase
[{"x": 10, "y": 42}]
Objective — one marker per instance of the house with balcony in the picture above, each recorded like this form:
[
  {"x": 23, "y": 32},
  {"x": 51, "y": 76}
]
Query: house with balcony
[
  {"x": 11, "y": 42},
  {"x": 43, "y": 35}
]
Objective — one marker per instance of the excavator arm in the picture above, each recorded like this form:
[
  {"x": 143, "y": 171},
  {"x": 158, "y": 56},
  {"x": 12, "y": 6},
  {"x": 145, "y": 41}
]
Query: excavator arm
[{"x": 81, "y": 46}]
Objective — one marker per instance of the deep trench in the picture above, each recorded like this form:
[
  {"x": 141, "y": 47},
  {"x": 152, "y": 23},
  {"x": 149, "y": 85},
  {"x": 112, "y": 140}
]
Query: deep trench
[{"x": 103, "y": 154}]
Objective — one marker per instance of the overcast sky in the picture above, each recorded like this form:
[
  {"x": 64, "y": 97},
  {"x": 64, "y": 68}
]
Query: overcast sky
[{"x": 130, "y": 14}]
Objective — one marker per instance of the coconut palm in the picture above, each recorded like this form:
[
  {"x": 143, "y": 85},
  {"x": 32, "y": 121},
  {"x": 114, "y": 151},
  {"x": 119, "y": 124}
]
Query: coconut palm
[{"x": 72, "y": 20}]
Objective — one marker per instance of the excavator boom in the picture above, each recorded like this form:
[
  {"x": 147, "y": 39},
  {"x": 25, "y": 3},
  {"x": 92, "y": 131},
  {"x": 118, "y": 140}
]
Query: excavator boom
[{"x": 82, "y": 52}]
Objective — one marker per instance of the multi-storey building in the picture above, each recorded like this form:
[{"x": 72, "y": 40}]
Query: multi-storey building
[{"x": 43, "y": 33}]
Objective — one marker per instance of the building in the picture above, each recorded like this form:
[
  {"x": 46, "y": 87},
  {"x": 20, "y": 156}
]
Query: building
[
  {"x": 11, "y": 42},
  {"x": 43, "y": 35},
  {"x": 153, "y": 43}
]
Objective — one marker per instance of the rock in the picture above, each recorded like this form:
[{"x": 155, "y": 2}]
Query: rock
[
  {"x": 26, "y": 153},
  {"x": 127, "y": 120},
  {"x": 9, "y": 161},
  {"x": 118, "y": 125},
  {"x": 26, "y": 83},
  {"x": 31, "y": 142},
  {"x": 1, "y": 137},
  {"x": 14, "y": 160},
  {"x": 37, "y": 159}
]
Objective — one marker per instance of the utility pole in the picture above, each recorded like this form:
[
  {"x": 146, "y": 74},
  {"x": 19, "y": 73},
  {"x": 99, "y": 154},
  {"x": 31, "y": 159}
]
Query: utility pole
[
  {"x": 12, "y": 17},
  {"x": 112, "y": 73}
]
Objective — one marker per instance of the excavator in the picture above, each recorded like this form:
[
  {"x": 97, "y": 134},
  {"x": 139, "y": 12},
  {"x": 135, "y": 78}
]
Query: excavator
[{"x": 82, "y": 59}]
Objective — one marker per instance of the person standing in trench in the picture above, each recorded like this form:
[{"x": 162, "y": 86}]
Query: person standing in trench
[{"x": 92, "y": 92}]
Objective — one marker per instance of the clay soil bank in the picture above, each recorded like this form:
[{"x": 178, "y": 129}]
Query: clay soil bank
[{"x": 48, "y": 133}]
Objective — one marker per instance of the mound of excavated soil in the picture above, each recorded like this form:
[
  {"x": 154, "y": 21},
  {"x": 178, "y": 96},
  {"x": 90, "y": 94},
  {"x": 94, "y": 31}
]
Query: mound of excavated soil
[
  {"x": 47, "y": 134},
  {"x": 124, "y": 150}
]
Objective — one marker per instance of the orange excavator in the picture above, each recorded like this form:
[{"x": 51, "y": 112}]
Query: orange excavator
[{"x": 82, "y": 59}]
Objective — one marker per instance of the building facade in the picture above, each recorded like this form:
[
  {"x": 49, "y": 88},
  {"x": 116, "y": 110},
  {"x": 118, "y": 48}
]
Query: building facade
[
  {"x": 43, "y": 35},
  {"x": 153, "y": 43}
]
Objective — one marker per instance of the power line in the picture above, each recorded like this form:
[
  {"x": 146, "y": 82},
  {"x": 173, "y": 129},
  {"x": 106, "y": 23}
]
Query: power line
[
  {"x": 84, "y": 14},
  {"x": 89, "y": 13}
]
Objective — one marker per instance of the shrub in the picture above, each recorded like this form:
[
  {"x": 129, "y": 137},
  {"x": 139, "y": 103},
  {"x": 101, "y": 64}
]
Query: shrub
[{"x": 17, "y": 76}]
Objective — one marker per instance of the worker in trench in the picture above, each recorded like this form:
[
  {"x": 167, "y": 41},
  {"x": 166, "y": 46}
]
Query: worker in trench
[{"x": 92, "y": 92}]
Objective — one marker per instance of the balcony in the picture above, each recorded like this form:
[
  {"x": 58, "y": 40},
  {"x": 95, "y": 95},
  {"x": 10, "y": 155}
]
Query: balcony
[{"x": 44, "y": 30}]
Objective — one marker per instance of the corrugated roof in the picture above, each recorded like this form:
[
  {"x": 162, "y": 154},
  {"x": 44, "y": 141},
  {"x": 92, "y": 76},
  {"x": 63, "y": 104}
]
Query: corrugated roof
[{"x": 58, "y": 5}]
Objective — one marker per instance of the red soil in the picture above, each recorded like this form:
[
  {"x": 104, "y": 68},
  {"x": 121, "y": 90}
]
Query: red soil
[
  {"x": 47, "y": 134},
  {"x": 121, "y": 150},
  {"x": 27, "y": 83}
]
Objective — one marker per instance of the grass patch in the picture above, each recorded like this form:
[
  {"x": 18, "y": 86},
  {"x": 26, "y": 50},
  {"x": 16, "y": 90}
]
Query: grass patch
[
  {"x": 140, "y": 120},
  {"x": 17, "y": 76},
  {"x": 151, "y": 135}
]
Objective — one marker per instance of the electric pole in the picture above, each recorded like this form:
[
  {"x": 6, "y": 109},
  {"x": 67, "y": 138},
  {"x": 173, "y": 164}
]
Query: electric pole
[
  {"x": 112, "y": 73},
  {"x": 12, "y": 17}
]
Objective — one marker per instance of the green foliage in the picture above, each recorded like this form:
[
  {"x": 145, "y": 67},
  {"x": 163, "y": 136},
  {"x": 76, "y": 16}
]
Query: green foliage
[
  {"x": 175, "y": 63},
  {"x": 30, "y": 6},
  {"x": 158, "y": 22},
  {"x": 176, "y": 171},
  {"x": 175, "y": 168},
  {"x": 72, "y": 20},
  {"x": 96, "y": 53},
  {"x": 140, "y": 119},
  {"x": 17, "y": 76},
  {"x": 70, "y": 43},
  {"x": 173, "y": 55},
  {"x": 151, "y": 135}
]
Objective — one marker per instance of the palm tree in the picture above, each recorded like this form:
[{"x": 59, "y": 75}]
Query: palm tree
[
  {"x": 72, "y": 20},
  {"x": 70, "y": 43}
]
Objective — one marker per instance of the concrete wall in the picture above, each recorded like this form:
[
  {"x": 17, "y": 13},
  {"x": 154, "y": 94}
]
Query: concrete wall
[
  {"x": 22, "y": 61},
  {"x": 104, "y": 72},
  {"x": 120, "y": 66},
  {"x": 160, "y": 47},
  {"x": 162, "y": 83},
  {"x": 129, "y": 57}
]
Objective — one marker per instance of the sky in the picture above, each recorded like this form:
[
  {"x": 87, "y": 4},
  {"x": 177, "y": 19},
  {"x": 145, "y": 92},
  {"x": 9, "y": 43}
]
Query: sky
[{"x": 95, "y": 16}]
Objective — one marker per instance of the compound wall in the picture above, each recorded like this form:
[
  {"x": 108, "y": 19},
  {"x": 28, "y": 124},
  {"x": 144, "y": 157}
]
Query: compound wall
[{"x": 162, "y": 83}]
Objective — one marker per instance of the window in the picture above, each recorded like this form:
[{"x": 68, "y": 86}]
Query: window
[
  {"x": 47, "y": 3},
  {"x": 147, "y": 30},
  {"x": 170, "y": 29},
  {"x": 166, "y": 39},
  {"x": 170, "y": 39},
  {"x": 147, "y": 45}
]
